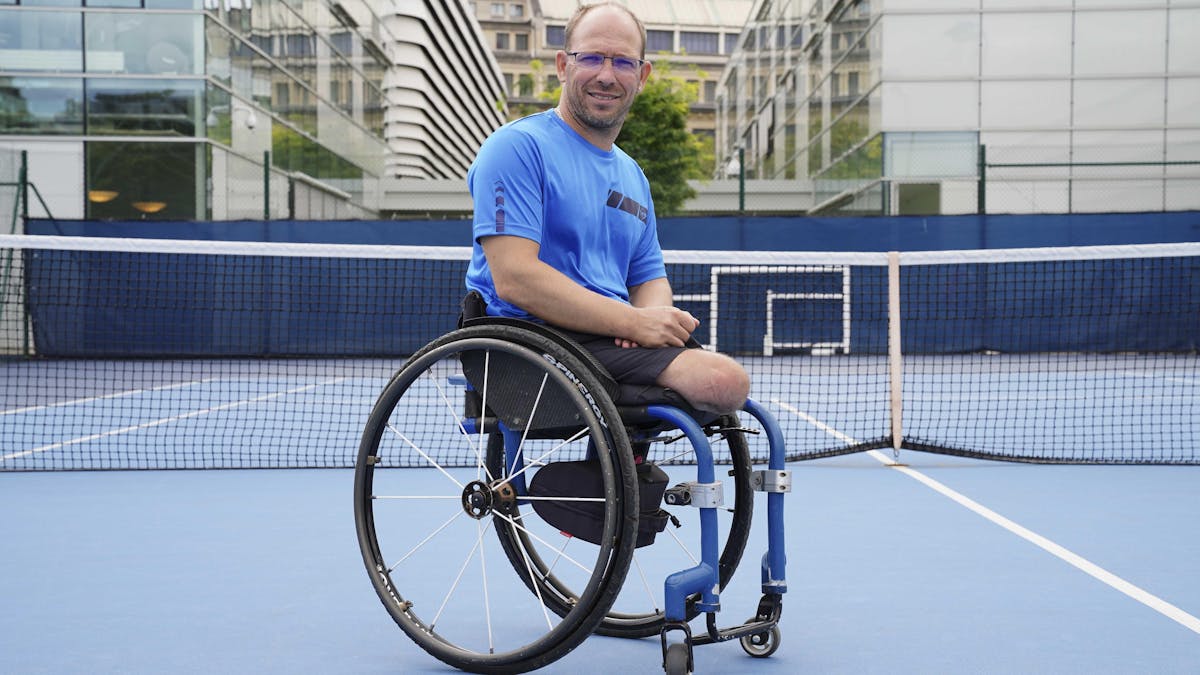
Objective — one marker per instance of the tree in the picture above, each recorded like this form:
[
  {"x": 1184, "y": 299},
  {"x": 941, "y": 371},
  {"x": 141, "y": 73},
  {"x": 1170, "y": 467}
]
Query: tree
[{"x": 656, "y": 135}]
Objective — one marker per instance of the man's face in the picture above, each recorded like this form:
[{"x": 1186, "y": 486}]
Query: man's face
[{"x": 599, "y": 97}]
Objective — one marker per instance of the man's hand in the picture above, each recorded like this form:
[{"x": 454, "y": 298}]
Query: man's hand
[{"x": 661, "y": 327}]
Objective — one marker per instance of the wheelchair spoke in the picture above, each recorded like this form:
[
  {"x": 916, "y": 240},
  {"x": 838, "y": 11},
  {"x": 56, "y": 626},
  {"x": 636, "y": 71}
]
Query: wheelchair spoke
[
  {"x": 474, "y": 447},
  {"x": 537, "y": 588},
  {"x": 424, "y": 541},
  {"x": 529, "y": 424},
  {"x": 540, "y": 460},
  {"x": 645, "y": 583},
  {"x": 487, "y": 378},
  {"x": 543, "y": 498},
  {"x": 429, "y": 459},
  {"x": 462, "y": 570},
  {"x": 529, "y": 532},
  {"x": 487, "y": 601},
  {"x": 683, "y": 547}
]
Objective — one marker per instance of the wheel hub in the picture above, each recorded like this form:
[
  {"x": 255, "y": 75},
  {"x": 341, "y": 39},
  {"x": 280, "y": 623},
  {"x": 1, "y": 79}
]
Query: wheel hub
[{"x": 479, "y": 498}]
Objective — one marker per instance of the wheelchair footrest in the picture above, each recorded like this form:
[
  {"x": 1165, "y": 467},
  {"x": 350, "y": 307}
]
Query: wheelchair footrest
[{"x": 770, "y": 609}]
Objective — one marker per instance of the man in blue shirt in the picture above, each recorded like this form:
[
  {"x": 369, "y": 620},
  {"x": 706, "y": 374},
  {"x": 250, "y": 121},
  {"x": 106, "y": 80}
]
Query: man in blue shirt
[{"x": 564, "y": 229}]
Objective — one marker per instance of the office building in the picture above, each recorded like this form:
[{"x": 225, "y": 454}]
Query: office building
[{"x": 965, "y": 106}]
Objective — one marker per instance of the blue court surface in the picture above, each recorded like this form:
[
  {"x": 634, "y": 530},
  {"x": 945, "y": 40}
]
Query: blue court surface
[{"x": 940, "y": 565}]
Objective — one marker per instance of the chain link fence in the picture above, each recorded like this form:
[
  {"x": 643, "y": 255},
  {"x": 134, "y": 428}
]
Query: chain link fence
[{"x": 14, "y": 330}]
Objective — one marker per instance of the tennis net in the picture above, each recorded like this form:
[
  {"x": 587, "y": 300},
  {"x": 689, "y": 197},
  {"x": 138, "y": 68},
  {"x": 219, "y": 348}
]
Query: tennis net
[{"x": 158, "y": 354}]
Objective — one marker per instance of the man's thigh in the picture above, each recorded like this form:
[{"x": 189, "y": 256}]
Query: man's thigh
[{"x": 628, "y": 365}]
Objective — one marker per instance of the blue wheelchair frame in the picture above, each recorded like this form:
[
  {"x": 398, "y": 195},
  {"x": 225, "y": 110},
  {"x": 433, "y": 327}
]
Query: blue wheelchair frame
[{"x": 703, "y": 579}]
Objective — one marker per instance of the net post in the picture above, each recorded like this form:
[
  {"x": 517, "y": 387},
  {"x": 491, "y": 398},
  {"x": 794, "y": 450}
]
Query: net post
[{"x": 895, "y": 364}]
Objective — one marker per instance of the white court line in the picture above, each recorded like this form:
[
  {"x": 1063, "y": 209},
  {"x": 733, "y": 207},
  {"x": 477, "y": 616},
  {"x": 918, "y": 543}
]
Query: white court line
[
  {"x": 1079, "y": 562},
  {"x": 167, "y": 420},
  {"x": 92, "y": 399}
]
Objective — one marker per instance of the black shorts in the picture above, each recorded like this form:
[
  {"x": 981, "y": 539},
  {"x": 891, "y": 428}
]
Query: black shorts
[{"x": 627, "y": 365}]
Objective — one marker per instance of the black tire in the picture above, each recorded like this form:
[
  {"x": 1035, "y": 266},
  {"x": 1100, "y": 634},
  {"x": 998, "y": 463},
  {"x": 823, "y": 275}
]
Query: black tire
[
  {"x": 676, "y": 660},
  {"x": 421, "y": 530},
  {"x": 761, "y": 645},
  {"x": 639, "y": 613}
]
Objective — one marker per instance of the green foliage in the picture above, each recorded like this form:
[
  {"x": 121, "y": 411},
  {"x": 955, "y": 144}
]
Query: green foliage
[{"x": 656, "y": 135}]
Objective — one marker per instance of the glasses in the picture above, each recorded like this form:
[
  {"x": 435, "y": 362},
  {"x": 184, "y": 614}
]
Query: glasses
[{"x": 592, "y": 61}]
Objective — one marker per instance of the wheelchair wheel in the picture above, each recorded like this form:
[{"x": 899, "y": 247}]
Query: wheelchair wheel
[
  {"x": 426, "y": 497},
  {"x": 637, "y": 611}
]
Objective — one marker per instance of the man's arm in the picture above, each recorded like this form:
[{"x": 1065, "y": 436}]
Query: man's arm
[
  {"x": 653, "y": 293},
  {"x": 523, "y": 280}
]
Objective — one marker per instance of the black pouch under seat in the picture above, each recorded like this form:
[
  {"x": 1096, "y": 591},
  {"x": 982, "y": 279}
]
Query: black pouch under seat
[{"x": 585, "y": 520}]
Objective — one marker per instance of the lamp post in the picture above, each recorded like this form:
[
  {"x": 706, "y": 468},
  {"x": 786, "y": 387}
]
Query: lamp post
[{"x": 741, "y": 179}]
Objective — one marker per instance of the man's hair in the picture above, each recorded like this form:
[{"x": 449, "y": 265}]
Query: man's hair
[{"x": 585, "y": 9}]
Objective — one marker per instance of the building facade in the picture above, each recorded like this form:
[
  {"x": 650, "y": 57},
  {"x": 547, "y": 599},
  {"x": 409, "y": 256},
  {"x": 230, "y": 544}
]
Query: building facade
[
  {"x": 691, "y": 39},
  {"x": 444, "y": 90},
  {"x": 965, "y": 106},
  {"x": 228, "y": 109}
]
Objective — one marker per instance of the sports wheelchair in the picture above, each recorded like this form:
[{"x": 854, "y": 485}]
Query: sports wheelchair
[{"x": 540, "y": 470}]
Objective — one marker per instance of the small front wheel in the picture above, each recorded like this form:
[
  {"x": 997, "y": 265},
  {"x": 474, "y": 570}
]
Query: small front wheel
[
  {"x": 676, "y": 661},
  {"x": 761, "y": 645}
]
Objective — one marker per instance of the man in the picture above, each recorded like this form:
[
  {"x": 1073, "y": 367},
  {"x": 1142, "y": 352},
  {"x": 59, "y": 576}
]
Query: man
[{"x": 565, "y": 231}]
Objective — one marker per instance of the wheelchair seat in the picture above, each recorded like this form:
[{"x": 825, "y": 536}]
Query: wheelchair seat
[{"x": 632, "y": 400}]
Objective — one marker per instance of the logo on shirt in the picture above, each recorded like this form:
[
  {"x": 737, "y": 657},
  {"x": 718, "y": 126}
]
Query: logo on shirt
[
  {"x": 498, "y": 192},
  {"x": 619, "y": 201}
]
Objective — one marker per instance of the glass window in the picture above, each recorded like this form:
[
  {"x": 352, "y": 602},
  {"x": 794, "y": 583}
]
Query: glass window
[
  {"x": 343, "y": 42},
  {"x": 525, "y": 84},
  {"x": 130, "y": 107},
  {"x": 44, "y": 41},
  {"x": 143, "y": 43},
  {"x": 731, "y": 40},
  {"x": 556, "y": 36},
  {"x": 41, "y": 105},
  {"x": 1120, "y": 43},
  {"x": 1183, "y": 42},
  {"x": 501, "y": 41},
  {"x": 522, "y": 42},
  {"x": 928, "y": 46},
  {"x": 1020, "y": 104},
  {"x": 1119, "y": 103},
  {"x": 659, "y": 41},
  {"x": 930, "y": 154},
  {"x": 1013, "y": 45},
  {"x": 516, "y": 10},
  {"x": 699, "y": 43},
  {"x": 497, "y": 9},
  {"x": 151, "y": 181},
  {"x": 184, "y": 4},
  {"x": 136, "y": 4},
  {"x": 551, "y": 83}
]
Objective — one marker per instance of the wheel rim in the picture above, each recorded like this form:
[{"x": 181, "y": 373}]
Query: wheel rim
[{"x": 426, "y": 533}]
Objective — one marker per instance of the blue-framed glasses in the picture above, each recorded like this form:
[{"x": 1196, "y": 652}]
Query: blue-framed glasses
[{"x": 593, "y": 61}]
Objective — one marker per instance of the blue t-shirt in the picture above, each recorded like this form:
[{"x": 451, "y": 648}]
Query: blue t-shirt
[{"x": 590, "y": 210}]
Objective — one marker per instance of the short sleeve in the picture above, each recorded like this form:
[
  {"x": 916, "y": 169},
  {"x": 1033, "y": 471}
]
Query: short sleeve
[{"x": 506, "y": 186}]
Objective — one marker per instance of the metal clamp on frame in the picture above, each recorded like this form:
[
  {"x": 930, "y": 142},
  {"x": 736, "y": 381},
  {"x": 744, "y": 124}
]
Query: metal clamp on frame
[
  {"x": 771, "y": 480},
  {"x": 699, "y": 495}
]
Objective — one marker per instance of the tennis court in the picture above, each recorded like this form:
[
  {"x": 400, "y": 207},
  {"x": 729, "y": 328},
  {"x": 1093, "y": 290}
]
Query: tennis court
[
  {"x": 259, "y": 571},
  {"x": 1081, "y": 365}
]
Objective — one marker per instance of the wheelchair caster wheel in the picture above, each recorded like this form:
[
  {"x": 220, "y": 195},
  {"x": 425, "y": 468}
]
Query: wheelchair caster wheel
[
  {"x": 762, "y": 645},
  {"x": 676, "y": 662}
]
